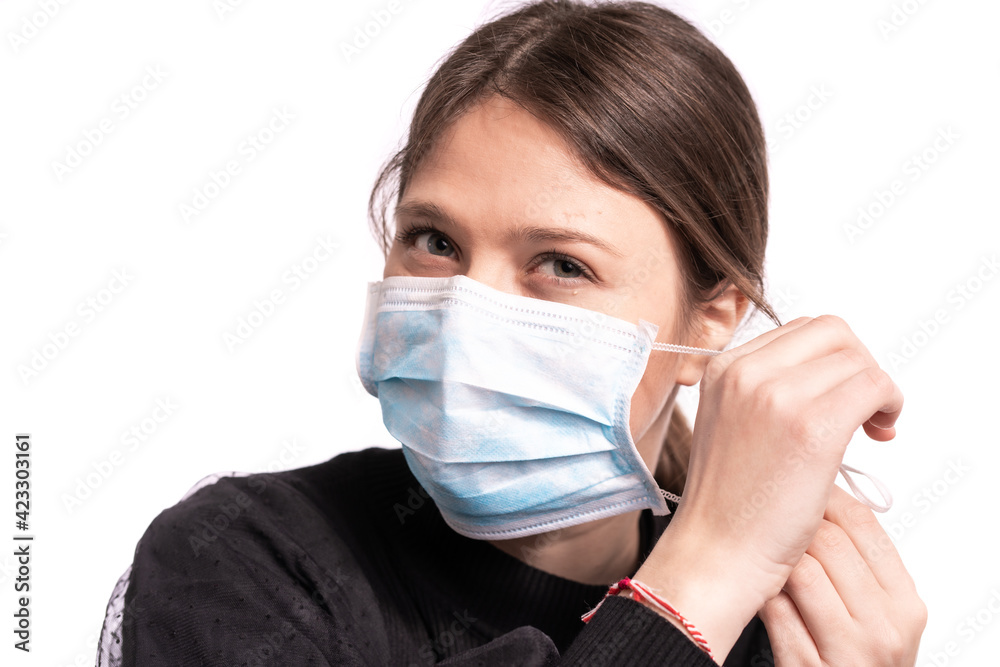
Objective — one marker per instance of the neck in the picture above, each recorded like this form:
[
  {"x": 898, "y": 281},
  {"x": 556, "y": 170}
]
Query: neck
[{"x": 599, "y": 552}]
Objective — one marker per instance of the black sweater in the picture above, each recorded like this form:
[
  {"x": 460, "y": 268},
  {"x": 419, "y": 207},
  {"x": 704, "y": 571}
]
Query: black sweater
[{"x": 348, "y": 562}]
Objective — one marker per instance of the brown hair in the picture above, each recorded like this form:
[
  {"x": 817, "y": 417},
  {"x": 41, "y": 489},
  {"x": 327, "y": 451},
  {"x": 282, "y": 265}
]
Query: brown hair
[{"x": 650, "y": 106}]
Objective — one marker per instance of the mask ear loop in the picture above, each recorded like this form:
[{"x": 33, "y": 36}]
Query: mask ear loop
[
  {"x": 860, "y": 495},
  {"x": 673, "y": 497},
  {"x": 684, "y": 349}
]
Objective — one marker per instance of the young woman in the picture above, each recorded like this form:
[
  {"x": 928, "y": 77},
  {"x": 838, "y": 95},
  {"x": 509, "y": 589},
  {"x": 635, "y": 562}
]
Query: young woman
[{"x": 579, "y": 225}]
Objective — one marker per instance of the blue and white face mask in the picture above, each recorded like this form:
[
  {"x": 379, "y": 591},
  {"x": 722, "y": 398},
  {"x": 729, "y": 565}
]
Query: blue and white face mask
[{"x": 513, "y": 412}]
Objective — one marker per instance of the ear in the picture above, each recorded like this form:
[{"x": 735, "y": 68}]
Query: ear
[{"x": 713, "y": 328}]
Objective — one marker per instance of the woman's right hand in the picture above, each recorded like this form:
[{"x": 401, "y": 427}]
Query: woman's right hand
[{"x": 774, "y": 419}]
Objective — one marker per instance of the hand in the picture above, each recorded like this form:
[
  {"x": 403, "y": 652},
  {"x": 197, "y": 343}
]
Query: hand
[
  {"x": 774, "y": 420},
  {"x": 849, "y": 601}
]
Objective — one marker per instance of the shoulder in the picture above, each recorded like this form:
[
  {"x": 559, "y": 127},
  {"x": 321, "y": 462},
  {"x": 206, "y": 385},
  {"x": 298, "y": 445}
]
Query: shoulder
[
  {"x": 287, "y": 505},
  {"x": 247, "y": 559}
]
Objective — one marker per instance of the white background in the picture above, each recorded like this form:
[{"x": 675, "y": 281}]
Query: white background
[{"x": 288, "y": 395}]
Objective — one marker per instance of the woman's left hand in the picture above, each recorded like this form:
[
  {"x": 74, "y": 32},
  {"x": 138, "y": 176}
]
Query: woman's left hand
[{"x": 850, "y": 600}]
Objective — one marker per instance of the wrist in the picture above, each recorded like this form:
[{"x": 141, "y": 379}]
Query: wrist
[
  {"x": 711, "y": 586},
  {"x": 641, "y": 593}
]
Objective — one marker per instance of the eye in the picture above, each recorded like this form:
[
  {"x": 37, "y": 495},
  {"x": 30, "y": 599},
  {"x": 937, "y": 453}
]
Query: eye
[
  {"x": 435, "y": 243},
  {"x": 562, "y": 267},
  {"x": 429, "y": 240}
]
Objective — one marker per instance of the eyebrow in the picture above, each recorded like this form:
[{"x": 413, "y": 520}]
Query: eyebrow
[{"x": 430, "y": 210}]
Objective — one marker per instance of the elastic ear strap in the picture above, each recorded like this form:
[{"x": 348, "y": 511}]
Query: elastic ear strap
[
  {"x": 860, "y": 495},
  {"x": 684, "y": 349}
]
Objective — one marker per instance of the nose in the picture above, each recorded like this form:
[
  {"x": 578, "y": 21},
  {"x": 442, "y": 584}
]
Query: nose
[{"x": 494, "y": 270}]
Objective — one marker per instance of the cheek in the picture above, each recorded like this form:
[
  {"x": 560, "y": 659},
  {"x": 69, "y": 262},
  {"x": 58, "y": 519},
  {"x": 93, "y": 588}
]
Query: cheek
[
  {"x": 651, "y": 395},
  {"x": 394, "y": 261}
]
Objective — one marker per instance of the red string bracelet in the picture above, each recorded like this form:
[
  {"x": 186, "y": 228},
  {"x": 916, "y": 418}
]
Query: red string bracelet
[{"x": 641, "y": 593}]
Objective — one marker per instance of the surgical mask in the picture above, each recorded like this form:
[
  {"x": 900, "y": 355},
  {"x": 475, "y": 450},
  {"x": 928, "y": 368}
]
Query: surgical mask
[{"x": 513, "y": 412}]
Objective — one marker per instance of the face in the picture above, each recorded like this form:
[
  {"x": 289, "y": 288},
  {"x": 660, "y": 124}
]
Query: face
[{"x": 502, "y": 200}]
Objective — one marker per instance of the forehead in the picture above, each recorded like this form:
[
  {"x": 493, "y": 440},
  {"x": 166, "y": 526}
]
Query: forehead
[{"x": 499, "y": 162}]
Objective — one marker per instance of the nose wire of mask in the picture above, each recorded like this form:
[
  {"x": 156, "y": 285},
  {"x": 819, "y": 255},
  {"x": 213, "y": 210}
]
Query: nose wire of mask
[{"x": 845, "y": 469}]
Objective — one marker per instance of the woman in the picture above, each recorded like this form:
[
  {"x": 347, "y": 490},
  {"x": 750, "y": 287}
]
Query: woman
[{"x": 580, "y": 221}]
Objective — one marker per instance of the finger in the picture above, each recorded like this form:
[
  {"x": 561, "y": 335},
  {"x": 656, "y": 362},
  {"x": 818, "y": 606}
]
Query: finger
[
  {"x": 817, "y": 376},
  {"x": 869, "y": 395},
  {"x": 807, "y": 339},
  {"x": 847, "y": 570},
  {"x": 879, "y": 433},
  {"x": 821, "y": 608},
  {"x": 821, "y": 336},
  {"x": 789, "y": 637},
  {"x": 871, "y": 542},
  {"x": 765, "y": 338}
]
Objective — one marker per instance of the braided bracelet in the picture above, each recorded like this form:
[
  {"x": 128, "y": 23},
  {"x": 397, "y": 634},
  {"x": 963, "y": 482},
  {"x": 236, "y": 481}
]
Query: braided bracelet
[{"x": 641, "y": 593}]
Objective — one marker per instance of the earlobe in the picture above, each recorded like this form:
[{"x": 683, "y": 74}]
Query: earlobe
[{"x": 715, "y": 324}]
